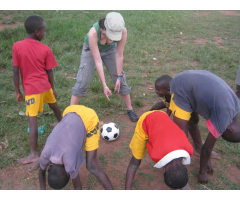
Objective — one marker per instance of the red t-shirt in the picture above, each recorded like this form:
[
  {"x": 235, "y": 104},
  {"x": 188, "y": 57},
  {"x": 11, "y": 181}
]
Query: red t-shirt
[
  {"x": 163, "y": 134},
  {"x": 34, "y": 58}
]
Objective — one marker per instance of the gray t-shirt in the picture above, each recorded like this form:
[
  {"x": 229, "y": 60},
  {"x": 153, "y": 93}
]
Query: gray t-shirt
[
  {"x": 64, "y": 145},
  {"x": 208, "y": 95}
]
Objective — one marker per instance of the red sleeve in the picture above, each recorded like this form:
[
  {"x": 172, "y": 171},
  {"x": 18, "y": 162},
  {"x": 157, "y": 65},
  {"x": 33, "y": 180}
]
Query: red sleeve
[
  {"x": 50, "y": 61},
  {"x": 15, "y": 56}
]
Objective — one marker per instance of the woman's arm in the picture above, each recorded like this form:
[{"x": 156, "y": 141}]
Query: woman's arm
[
  {"x": 93, "y": 39},
  {"x": 119, "y": 57}
]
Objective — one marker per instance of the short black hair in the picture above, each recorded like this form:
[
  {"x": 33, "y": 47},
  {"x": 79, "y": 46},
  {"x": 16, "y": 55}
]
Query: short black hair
[
  {"x": 164, "y": 81},
  {"x": 176, "y": 176},
  {"x": 101, "y": 23},
  {"x": 33, "y": 23},
  {"x": 57, "y": 177}
]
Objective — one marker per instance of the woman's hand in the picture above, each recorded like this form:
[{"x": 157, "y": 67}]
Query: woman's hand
[
  {"x": 117, "y": 86},
  {"x": 107, "y": 92}
]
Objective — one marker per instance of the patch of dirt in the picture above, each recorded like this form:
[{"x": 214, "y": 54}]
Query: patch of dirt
[
  {"x": 172, "y": 73},
  {"x": 17, "y": 177},
  {"x": 200, "y": 41},
  {"x": 194, "y": 63},
  {"x": 8, "y": 17},
  {"x": 229, "y": 12},
  {"x": 232, "y": 174},
  {"x": 173, "y": 63},
  {"x": 2, "y": 26},
  {"x": 149, "y": 87},
  {"x": 202, "y": 13},
  {"x": 182, "y": 39},
  {"x": 216, "y": 41},
  {"x": 219, "y": 40}
]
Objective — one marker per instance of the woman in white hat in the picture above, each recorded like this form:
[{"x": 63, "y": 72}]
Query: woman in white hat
[{"x": 104, "y": 43}]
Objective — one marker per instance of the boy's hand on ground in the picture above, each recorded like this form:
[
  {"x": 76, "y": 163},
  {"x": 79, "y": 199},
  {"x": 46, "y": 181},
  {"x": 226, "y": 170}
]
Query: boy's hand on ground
[
  {"x": 209, "y": 168},
  {"x": 117, "y": 86},
  {"x": 55, "y": 94},
  {"x": 107, "y": 92},
  {"x": 19, "y": 97},
  {"x": 202, "y": 177}
]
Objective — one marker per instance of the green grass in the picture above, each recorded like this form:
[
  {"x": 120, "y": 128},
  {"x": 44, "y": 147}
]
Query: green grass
[
  {"x": 91, "y": 181},
  {"x": 151, "y": 34},
  {"x": 136, "y": 185},
  {"x": 102, "y": 160},
  {"x": 148, "y": 177},
  {"x": 138, "y": 103},
  {"x": 116, "y": 156},
  {"x": 8, "y": 21}
]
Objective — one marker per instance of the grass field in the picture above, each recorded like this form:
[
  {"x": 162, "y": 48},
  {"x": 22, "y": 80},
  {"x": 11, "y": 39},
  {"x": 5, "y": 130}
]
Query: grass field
[{"x": 159, "y": 42}]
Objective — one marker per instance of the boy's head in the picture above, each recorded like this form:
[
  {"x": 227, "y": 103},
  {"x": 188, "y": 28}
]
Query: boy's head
[
  {"x": 35, "y": 25},
  {"x": 175, "y": 174},
  {"x": 57, "y": 176},
  {"x": 232, "y": 134},
  {"x": 162, "y": 87}
]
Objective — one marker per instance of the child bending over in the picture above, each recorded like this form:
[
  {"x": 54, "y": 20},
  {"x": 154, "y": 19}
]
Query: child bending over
[
  {"x": 62, "y": 154},
  {"x": 167, "y": 145}
]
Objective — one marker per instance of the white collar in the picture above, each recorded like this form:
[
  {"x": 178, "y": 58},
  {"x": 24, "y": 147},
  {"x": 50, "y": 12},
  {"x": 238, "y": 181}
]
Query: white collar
[{"x": 173, "y": 155}]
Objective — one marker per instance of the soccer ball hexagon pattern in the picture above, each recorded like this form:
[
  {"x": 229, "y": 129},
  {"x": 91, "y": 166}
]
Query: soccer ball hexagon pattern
[{"x": 110, "y": 131}]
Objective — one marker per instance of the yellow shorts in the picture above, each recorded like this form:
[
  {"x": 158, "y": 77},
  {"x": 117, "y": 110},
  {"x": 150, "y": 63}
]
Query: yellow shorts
[
  {"x": 34, "y": 103},
  {"x": 178, "y": 112}
]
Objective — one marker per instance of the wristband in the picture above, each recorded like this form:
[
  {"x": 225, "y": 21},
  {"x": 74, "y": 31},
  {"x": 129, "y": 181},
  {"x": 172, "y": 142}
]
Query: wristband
[
  {"x": 117, "y": 75},
  {"x": 119, "y": 78}
]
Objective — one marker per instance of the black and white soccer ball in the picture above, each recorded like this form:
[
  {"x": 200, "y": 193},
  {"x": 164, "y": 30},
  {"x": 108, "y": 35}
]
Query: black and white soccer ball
[{"x": 110, "y": 131}]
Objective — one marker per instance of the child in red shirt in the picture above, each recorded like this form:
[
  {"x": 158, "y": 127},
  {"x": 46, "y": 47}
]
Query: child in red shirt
[
  {"x": 35, "y": 61},
  {"x": 167, "y": 145}
]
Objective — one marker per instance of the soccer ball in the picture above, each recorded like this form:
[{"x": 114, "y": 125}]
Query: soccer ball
[{"x": 110, "y": 131}]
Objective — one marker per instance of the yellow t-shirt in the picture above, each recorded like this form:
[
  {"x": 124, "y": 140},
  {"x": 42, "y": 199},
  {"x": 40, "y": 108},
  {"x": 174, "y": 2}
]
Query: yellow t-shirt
[
  {"x": 138, "y": 143},
  {"x": 91, "y": 123}
]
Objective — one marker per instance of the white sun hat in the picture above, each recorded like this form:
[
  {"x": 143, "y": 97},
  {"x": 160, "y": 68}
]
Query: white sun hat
[{"x": 114, "y": 24}]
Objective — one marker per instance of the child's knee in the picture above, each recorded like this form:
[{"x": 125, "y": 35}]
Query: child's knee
[
  {"x": 93, "y": 168},
  {"x": 53, "y": 106}
]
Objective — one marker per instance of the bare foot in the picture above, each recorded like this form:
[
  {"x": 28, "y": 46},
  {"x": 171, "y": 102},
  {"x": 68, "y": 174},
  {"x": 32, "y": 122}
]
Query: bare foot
[
  {"x": 34, "y": 165},
  {"x": 29, "y": 159},
  {"x": 54, "y": 124},
  {"x": 214, "y": 155}
]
